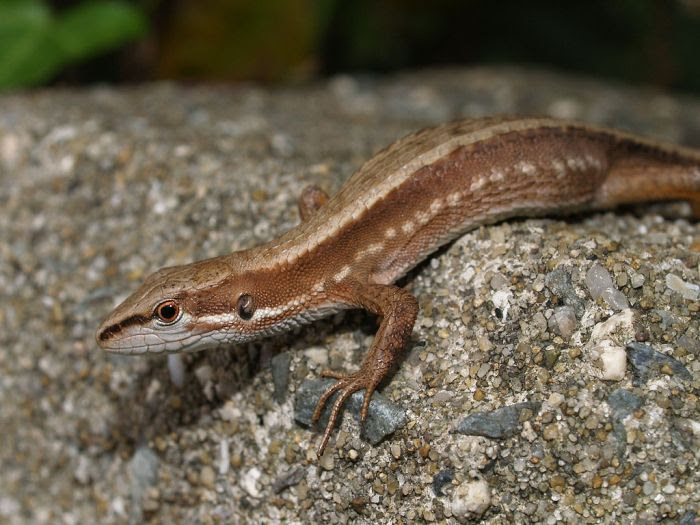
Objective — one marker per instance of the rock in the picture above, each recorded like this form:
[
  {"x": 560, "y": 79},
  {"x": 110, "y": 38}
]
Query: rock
[
  {"x": 143, "y": 473},
  {"x": 648, "y": 363},
  {"x": 600, "y": 285},
  {"x": 690, "y": 343},
  {"x": 470, "y": 500},
  {"x": 176, "y": 368},
  {"x": 637, "y": 280},
  {"x": 690, "y": 517},
  {"x": 289, "y": 479},
  {"x": 249, "y": 481},
  {"x": 207, "y": 477},
  {"x": 685, "y": 433},
  {"x": 383, "y": 417},
  {"x": 623, "y": 403},
  {"x": 441, "y": 479},
  {"x": 618, "y": 328},
  {"x": 279, "y": 366},
  {"x": 563, "y": 321},
  {"x": 498, "y": 424},
  {"x": 613, "y": 361},
  {"x": 688, "y": 291},
  {"x": 559, "y": 283}
]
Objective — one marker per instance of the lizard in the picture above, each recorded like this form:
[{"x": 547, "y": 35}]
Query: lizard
[{"x": 419, "y": 193}]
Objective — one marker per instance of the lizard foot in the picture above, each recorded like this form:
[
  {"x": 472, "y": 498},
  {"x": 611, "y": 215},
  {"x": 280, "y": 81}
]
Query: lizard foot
[{"x": 347, "y": 384}]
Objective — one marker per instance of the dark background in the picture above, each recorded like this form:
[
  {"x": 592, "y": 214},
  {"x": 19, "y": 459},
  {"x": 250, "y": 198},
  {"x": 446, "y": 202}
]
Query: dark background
[{"x": 655, "y": 42}]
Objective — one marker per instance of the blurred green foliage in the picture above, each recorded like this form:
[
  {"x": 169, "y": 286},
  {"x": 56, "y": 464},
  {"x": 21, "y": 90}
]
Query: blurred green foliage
[
  {"x": 655, "y": 42},
  {"x": 35, "y": 44}
]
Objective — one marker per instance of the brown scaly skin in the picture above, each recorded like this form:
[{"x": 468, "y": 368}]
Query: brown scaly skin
[{"x": 419, "y": 193}]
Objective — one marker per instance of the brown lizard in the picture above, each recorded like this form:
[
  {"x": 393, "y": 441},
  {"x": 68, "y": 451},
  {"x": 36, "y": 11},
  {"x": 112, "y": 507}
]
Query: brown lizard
[{"x": 409, "y": 199}]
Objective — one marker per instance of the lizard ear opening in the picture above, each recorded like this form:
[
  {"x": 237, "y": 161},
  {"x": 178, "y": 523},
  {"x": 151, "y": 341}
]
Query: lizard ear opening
[{"x": 245, "y": 306}]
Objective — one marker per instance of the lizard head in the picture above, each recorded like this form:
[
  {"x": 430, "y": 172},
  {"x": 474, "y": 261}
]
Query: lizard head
[{"x": 169, "y": 312}]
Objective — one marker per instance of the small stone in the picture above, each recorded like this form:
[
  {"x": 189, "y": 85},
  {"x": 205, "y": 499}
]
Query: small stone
[
  {"x": 598, "y": 279},
  {"x": 555, "y": 399},
  {"x": 563, "y": 321},
  {"x": 623, "y": 403},
  {"x": 279, "y": 366},
  {"x": 647, "y": 362},
  {"x": 249, "y": 482},
  {"x": 600, "y": 285},
  {"x": 289, "y": 479},
  {"x": 613, "y": 360},
  {"x": 501, "y": 423},
  {"x": 637, "y": 280},
  {"x": 559, "y": 283},
  {"x": 327, "y": 460},
  {"x": 470, "y": 500},
  {"x": 648, "y": 488},
  {"x": 550, "y": 432},
  {"x": 228, "y": 411},
  {"x": 618, "y": 328},
  {"x": 479, "y": 394},
  {"x": 551, "y": 356},
  {"x": 207, "y": 476},
  {"x": 484, "y": 343},
  {"x": 176, "y": 369},
  {"x": 557, "y": 483},
  {"x": 395, "y": 449},
  {"x": 688, "y": 291},
  {"x": 630, "y": 498},
  {"x": 666, "y": 369},
  {"x": 383, "y": 416},
  {"x": 317, "y": 355},
  {"x": 441, "y": 479}
]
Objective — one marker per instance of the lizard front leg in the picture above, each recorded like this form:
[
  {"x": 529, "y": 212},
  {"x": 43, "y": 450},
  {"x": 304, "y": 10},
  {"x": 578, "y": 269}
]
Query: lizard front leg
[
  {"x": 311, "y": 200},
  {"x": 397, "y": 309}
]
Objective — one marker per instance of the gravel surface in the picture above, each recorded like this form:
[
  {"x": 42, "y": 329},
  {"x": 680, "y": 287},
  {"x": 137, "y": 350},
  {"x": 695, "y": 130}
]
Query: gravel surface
[{"x": 589, "y": 326}]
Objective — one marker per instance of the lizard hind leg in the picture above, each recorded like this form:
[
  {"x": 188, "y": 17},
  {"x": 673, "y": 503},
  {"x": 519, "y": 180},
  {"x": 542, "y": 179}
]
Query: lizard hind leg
[
  {"x": 311, "y": 200},
  {"x": 398, "y": 310}
]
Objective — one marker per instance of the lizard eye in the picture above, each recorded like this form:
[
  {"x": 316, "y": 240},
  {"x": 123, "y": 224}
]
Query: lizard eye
[
  {"x": 168, "y": 312},
  {"x": 245, "y": 306}
]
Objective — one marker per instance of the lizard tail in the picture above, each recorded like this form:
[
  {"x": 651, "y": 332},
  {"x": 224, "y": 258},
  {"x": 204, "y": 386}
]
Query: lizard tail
[{"x": 633, "y": 180}]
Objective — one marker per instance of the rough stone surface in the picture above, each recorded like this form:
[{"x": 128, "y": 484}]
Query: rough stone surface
[
  {"x": 648, "y": 363},
  {"x": 498, "y": 424},
  {"x": 383, "y": 416},
  {"x": 99, "y": 187}
]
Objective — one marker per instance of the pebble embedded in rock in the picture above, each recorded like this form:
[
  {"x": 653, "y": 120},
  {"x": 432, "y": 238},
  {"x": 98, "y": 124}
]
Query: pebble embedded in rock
[
  {"x": 143, "y": 471},
  {"x": 441, "y": 479},
  {"x": 600, "y": 285},
  {"x": 207, "y": 476},
  {"x": 559, "y": 282},
  {"x": 470, "y": 500},
  {"x": 623, "y": 402},
  {"x": 618, "y": 328},
  {"x": 279, "y": 367},
  {"x": 688, "y": 291},
  {"x": 648, "y": 363},
  {"x": 289, "y": 479},
  {"x": 563, "y": 321},
  {"x": 497, "y": 424},
  {"x": 613, "y": 360},
  {"x": 383, "y": 417}
]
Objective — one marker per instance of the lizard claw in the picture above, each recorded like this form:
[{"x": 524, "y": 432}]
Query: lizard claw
[{"x": 347, "y": 385}]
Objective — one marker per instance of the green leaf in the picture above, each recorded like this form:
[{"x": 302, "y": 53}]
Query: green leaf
[
  {"x": 27, "y": 53},
  {"x": 97, "y": 25}
]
